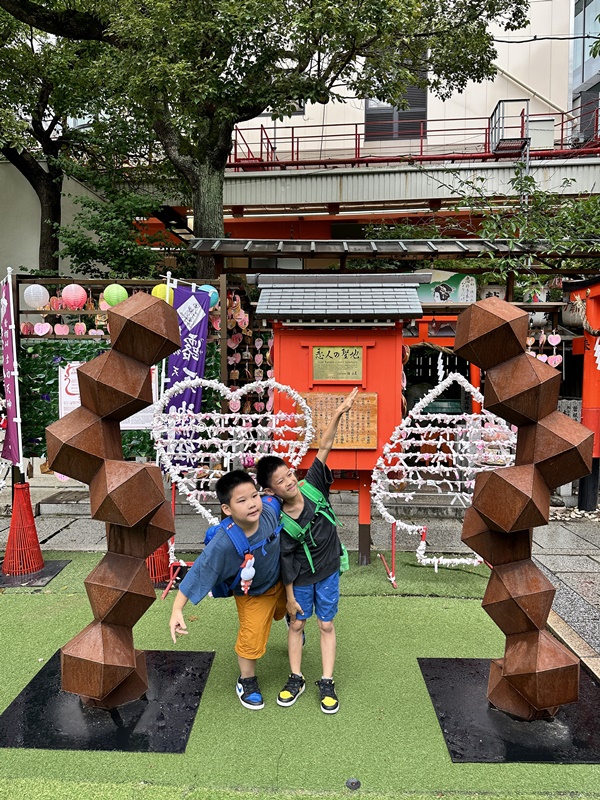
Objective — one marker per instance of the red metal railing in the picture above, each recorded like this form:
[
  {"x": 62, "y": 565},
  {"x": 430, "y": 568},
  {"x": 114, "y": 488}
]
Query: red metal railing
[{"x": 299, "y": 146}]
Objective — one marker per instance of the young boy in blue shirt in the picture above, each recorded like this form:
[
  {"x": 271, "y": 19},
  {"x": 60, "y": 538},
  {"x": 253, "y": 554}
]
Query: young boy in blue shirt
[
  {"x": 309, "y": 583},
  {"x": 220, "y": 561}
]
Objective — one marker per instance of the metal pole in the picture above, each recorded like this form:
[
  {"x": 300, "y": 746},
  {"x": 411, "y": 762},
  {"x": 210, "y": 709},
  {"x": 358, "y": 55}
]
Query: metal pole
[
  {"x": 12, "y": 282},
  {"x": 223, "y": 337}
]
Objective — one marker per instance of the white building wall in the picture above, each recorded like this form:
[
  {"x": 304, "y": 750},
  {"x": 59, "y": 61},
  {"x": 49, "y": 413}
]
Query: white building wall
[{"x": 20, "y": 218}]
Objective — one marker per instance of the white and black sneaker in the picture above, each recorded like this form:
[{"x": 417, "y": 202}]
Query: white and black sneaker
[{"x": 249, "y": 694}]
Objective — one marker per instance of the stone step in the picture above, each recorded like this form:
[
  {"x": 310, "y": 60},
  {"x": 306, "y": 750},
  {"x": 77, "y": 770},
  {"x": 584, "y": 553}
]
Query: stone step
[{"x": 76, "y": 503}]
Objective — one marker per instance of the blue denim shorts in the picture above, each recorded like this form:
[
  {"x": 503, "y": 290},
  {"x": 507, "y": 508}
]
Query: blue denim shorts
[{"x": 322, "y": 596}]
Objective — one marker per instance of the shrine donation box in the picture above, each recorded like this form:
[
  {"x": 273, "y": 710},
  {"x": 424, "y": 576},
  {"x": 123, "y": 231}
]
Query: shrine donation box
[{"x": 332, "y": 333}]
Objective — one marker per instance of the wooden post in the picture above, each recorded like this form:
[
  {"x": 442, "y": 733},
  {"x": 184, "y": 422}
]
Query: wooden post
[
  {"x": 587, "y": 497},
  {"x": 475, "y": 379},
  {"x": 364, "y": 518},
  {"x": 223, "y": 336}
]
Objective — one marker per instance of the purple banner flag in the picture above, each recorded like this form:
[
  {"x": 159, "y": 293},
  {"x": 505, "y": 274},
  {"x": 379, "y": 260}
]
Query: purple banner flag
[
  {"x": 11, "y": 449},
  {"x": 188, "y": 362}
]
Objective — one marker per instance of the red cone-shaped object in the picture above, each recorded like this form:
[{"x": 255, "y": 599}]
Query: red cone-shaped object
[
  {"x": 23, "y": 553},
  {"x": 158, "y": 564}
]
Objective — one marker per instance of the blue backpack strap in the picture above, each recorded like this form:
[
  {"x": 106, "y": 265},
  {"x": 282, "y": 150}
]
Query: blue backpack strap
[
  {"x": 239, "y": 540},
  {"x": 237, "y": 536},
  {"x": 270, "y": 501}
]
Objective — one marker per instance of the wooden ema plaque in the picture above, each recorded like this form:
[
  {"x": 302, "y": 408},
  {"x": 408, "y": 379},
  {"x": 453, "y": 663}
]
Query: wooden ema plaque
[{"x": 357, "y": 429}]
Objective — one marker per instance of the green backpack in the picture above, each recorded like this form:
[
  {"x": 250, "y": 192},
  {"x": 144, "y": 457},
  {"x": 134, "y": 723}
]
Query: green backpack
[{"x": 300, "y": 534}]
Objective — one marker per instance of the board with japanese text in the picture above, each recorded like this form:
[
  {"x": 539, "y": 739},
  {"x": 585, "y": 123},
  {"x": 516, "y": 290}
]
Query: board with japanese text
[
  {"x": 358, "y": 427},
  {"x": 337, "y": 363}
]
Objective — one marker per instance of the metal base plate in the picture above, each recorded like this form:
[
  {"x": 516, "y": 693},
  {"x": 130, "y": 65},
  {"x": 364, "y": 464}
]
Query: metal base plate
[
  {"x": 45, "y": 717},
  {"x": 474, "y": 731}
]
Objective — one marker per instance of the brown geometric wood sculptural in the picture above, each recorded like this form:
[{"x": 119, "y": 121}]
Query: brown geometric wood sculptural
[
  {"x": 101, "y": 663},
  {"x": 537, "y": 674}
]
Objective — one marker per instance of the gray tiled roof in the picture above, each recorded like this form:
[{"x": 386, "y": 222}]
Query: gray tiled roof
[{"x": 344, "y": 298}]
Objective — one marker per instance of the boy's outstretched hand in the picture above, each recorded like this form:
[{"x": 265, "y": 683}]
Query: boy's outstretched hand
[
  {"x": 329, "y": 433},
  {"x": 177, "y": 624},
  {"x": 293, "y": 608},
  {"x": 347, "y": 403}
]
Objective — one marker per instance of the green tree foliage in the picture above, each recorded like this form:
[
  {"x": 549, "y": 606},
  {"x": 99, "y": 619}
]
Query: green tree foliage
[
  {"x": 42, "y": 82},
  {"x": 196, "y": 68},
  {"x": 105, "y": 241},
  {"x": 561, "y": 222},
  {"x": 39, "y": 363}
]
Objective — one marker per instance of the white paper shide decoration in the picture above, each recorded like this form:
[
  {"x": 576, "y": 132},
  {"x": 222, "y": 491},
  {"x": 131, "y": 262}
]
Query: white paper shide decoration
[
  {"x": 439, "y": 454},
  {"x": 196, "y": 449}
]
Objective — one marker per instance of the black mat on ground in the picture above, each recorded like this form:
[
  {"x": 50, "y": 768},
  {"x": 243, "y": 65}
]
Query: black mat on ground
[
  {"x": 474, "y": 731},
  {"x": 45, "y": 717},
  {"x": 34, "y": 579}
]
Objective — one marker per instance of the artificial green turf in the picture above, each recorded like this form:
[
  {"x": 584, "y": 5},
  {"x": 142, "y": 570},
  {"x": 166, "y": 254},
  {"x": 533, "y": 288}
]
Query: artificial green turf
[
  {"x": 370, "y": 580},
  {"x": 386, "y": 733},
  {"x": 79, "y": 790}
]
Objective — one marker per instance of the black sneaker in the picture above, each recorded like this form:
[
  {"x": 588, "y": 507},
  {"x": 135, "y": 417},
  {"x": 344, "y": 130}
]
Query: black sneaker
[
  {"x": 329, "y": 702},
  {"x": 291, "y": 691},
  {"x": 287, "y": 622},
  {"x": 249, "y": 693}
]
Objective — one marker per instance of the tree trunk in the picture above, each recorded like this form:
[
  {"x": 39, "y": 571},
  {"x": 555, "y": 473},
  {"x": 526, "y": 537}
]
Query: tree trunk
[
  {"x": 203, "y": 167},
  {"x": 207, "y": 198},
  {"x": 50, "y": 195}
]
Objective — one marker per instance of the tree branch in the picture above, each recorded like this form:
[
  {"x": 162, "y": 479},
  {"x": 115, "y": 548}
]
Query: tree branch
[
  {"x": 69, "y": 24},
  {"x": 170, "y": 139},
  {"x": 27, "y": 165}
]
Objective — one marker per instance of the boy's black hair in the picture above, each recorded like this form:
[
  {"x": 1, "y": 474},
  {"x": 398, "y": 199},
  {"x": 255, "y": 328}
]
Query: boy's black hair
[
  {"x": 265, "y": 469},
  {"x": 227, "y": 483}
]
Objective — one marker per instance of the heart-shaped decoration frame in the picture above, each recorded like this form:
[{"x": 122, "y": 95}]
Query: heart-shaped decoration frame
[
  {"x": 42, "y": 328},
  {"x": 187, "y": 443}
]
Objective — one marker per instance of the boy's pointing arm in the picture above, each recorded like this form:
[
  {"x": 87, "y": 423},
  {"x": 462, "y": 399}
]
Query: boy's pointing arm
[{"x": 328, "y": 437}]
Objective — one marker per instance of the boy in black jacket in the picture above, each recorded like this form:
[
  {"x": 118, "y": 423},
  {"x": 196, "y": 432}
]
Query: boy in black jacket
[{"x": 309, "y": 568}]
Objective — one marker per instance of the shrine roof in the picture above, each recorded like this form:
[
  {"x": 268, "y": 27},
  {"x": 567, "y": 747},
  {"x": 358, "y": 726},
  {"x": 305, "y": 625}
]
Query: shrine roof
[
  {"x": 344, "y": 298},
  {"x": 400, "y": 250}
]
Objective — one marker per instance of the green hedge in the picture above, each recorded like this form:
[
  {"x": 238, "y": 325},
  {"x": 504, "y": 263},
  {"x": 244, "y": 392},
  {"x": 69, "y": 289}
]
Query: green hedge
[{"x": 38, "y": 385}]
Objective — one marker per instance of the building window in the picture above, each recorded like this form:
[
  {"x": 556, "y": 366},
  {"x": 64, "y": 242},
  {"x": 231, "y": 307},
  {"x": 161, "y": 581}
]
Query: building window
[
  {"x": 585, "y": 68},
  {"x": 383, "y": 121}
]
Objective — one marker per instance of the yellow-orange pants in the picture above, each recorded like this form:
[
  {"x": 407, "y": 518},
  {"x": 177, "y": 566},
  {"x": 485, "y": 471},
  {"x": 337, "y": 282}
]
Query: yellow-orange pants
[{"x": 256, "y": 613}]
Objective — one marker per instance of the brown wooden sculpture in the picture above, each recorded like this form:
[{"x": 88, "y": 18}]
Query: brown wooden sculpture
[
  {"x": 101, "y": 663},
  {"x": 537, "y": 674}
]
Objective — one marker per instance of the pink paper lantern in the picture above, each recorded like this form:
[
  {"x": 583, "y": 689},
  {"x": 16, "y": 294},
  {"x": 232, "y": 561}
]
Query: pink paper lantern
[{"x": 74, "y": 296}]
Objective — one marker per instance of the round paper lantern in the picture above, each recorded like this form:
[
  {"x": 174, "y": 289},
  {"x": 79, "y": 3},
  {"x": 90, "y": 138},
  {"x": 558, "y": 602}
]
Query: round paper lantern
[
  {"x": 115, "y": 293},
  {"x": 214, "y": 295},
  {"x": 74, "y": 296},
  {"x": 165, "y": 293},
  {"x": 36, "y": 296}
]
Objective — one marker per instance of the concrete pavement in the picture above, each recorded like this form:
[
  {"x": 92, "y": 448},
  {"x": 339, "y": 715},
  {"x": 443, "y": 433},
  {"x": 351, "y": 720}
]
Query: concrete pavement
[{"x": 567, "y": 549}]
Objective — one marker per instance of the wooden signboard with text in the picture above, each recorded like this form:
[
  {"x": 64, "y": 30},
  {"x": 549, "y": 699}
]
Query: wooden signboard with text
[{"x": 357, "y": 429}]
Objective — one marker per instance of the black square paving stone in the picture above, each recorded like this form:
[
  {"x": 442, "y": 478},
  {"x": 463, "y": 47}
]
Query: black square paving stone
[
  {"x": 44, "y": 717},
  {"x": 34, "y": 579},
  {"x": 474, "y": 731}
]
